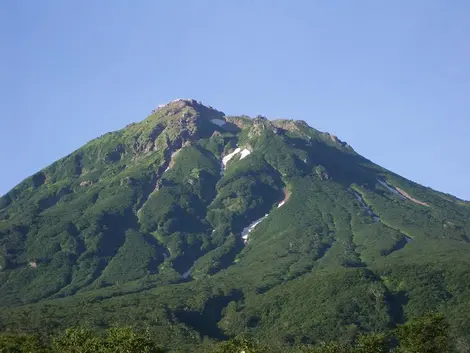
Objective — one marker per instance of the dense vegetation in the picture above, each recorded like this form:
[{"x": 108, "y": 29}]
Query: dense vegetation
[
  {"x": 425, "y": 335},
  {"x": 143, "y": 227}
]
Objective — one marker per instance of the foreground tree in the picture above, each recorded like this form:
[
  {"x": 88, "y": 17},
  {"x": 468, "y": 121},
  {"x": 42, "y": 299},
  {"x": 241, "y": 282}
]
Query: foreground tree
[
  {"x": 125, "y": 340},
  {"x": 373, "y": 343},
  {"x": 77, "y": 340},
  {"x": 331, "y": 347},
  {"x": 239, "y": 346},
  {"x": 429, "y": 334},
  {"x": 117, "y": 340},
  {"x": 21, "y": 343}
]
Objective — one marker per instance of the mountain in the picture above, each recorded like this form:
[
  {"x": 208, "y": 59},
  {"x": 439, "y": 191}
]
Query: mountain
[{"x": 204, "y": 226}]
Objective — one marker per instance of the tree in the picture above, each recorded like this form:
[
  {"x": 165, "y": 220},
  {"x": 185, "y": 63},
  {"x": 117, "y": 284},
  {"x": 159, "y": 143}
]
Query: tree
[
  {"x": 240, "y": 346},
  {"x": 330, "y": 347},
  {"x": 78, "y": 340},
  {"x": 125, "y": 340},
  {"x": 429, "y": 334},
  {"x": 373, "y": 343},
  {"x": 21, "y": 343},
  {"x": 117, "y": 340}
]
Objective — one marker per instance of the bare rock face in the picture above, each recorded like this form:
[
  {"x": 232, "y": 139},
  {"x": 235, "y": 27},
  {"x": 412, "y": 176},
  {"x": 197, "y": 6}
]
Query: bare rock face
[
  {"x": 240, "y": 121},
  {"x": 332, "y": 137},
  {"x": 260, "y": 124},
  {"x": 175, "y": 105},
  {"x": 289, "y": 125},
  {"x": 148, "y": 147},
  {"x": 336, "y": 140},
  {"x": 86, "y": 183}
]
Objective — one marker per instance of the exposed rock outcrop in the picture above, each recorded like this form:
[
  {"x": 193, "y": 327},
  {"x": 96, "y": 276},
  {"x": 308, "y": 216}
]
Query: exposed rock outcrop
[{"x": 86, "y": 183}]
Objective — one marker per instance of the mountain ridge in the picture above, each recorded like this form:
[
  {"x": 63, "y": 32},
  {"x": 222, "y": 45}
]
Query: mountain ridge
[{"x": 203, "y": 224}]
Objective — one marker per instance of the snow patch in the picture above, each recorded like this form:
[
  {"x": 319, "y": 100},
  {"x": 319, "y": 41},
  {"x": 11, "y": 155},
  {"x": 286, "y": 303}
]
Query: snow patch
[
  {"x": 218, "y": 122},
  {"x": 244, "y": 153},
  {"x": 228, "y": 157},
  {"x": 247, "y": 230}
]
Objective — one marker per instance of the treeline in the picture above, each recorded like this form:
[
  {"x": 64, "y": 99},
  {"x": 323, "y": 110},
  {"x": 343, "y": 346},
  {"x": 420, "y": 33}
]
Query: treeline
[{"x": 429, "y": 334}]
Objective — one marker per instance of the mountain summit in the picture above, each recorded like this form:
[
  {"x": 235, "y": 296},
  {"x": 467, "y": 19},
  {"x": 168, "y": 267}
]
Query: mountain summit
[{"x": 199, "y": 224}]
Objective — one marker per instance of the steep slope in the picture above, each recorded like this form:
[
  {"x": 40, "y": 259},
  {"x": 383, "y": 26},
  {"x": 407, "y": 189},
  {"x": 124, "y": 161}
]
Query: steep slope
[{"x": 200, "y": 224}]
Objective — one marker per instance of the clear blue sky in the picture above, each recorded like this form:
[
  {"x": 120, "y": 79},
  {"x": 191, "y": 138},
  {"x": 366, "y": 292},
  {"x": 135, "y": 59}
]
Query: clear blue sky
[{"x": 392, "y": 78}]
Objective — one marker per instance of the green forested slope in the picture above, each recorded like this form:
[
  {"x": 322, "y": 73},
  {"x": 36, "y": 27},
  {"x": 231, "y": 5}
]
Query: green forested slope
[{"x": 145, "y": 226}]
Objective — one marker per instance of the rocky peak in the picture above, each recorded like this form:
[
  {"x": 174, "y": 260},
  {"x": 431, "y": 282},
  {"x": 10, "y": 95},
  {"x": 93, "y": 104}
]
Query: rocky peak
[
  {"x": 187, "y": 106},
  {"x": 290, "y": 125},
  {"x": 335, "y": 139},
  {"x": 173, "y": 107},
  {"x": 177, "y": 103}
]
